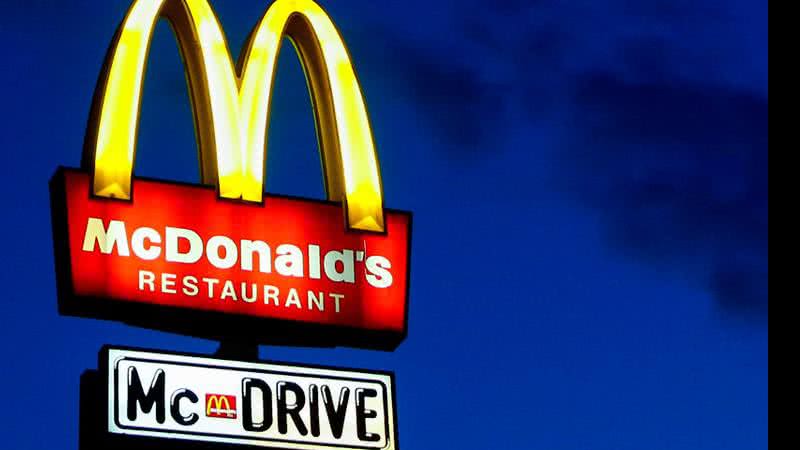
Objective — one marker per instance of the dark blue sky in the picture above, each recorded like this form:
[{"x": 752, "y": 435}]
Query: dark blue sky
[{"x": 589, "y": 182}]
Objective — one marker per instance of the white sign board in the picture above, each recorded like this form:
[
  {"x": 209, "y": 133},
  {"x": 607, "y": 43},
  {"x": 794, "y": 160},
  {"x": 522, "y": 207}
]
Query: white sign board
[{"x": 158, "y": 395}]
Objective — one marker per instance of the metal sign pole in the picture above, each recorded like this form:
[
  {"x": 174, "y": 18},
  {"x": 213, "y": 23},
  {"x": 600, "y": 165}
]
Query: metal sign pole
[{"x": 239, "y": 349}]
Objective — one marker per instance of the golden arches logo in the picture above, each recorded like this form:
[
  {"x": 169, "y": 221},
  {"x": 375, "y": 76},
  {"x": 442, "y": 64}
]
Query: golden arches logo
[
  {"x": 219, "y": 406},
  {"x": 231, "y": 104}
]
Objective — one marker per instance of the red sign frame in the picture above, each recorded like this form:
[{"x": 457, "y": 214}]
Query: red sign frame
[{"x": 288, "y": 271}]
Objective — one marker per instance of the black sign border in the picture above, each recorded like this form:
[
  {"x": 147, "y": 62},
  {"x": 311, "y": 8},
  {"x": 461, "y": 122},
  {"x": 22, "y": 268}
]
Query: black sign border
[{"x": 208, "y": 324}]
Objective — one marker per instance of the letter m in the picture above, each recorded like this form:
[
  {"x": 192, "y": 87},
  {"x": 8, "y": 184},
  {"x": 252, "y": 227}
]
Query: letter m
[
  {"x": 97, "y": 235},
  {"x": 153, "y": 397}
]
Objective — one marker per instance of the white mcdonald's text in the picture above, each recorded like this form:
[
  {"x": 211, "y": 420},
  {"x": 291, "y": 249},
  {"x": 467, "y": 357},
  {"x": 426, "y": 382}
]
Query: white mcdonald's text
[{"x": 186, "y": 246}]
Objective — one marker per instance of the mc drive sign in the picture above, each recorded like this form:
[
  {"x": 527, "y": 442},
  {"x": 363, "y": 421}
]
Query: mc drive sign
[{"x": 157, "y": 395}]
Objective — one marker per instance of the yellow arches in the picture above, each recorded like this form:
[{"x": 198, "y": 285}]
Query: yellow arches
[{"x": 231, "y": 106}]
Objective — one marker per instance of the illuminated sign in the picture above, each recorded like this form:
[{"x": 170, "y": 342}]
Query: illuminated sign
[
  {"x": 221, "y": 259},
  {"x": 168, "y": 396}
]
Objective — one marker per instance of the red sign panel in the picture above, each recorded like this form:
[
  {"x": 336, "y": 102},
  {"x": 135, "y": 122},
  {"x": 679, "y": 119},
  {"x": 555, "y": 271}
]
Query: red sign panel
[{"x": 177, "y": 257}]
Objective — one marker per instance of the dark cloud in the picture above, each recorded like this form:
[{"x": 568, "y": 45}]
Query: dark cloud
[
  {"x": 666, "y": 126},
  {"x": 456, "y": 101},
  {"x": 681, "y": 173},
  {"x": 476, "y": 80},
  {"x": 526, "y": 55}
]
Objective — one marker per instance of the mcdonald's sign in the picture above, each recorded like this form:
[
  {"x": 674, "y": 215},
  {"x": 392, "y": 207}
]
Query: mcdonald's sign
[{"x": 220, "y": 259}]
